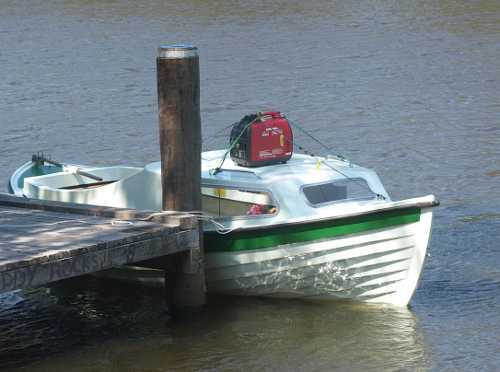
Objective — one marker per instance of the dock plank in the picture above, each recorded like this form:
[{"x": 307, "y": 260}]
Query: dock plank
[{"x": 40, "y": 245}]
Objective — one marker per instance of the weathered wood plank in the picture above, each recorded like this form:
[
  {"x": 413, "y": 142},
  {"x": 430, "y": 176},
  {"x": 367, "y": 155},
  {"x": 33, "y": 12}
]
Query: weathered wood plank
[
  {"x": 45, "y": 244},
  {"x": 55, "y": 206},
  {"x": 57, "y": 235},
  {"x": 186, "y": 220},
  {"x": 51, "y": 270}
]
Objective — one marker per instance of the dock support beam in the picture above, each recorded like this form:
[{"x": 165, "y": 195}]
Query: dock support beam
[{"x": 178, "y": 77}]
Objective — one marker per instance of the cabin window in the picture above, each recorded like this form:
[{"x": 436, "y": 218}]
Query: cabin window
[
  {"x": 353, "y": 188},
  {"x": 229, "y": 202}
]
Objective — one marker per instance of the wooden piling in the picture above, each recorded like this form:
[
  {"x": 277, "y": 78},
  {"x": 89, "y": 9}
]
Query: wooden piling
[{"x": 178, "y": 79}]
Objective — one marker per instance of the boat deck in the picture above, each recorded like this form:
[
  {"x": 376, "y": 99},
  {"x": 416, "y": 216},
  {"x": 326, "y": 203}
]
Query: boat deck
[{"x": 43, "y": 242}]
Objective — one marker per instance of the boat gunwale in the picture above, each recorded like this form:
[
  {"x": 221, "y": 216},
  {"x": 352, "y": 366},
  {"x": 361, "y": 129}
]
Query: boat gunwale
[
  {"x": 417, "y": 204},
  {"x": 428, "y": 201},
  {"x": 13, "y": 185},
  {"x": 244, "y": 240}
]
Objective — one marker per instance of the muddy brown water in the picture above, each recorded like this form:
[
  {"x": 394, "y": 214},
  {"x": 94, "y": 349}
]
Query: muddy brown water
[{"x": 408, "y": 88}]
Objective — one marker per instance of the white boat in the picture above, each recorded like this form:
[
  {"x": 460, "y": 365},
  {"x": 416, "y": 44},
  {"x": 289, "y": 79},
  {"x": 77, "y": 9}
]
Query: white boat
[{"x": 318, "y": 228}]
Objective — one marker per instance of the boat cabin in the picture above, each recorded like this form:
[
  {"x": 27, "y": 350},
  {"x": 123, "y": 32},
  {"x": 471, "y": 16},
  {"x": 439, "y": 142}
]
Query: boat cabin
[{"x": 303, "y": 187}]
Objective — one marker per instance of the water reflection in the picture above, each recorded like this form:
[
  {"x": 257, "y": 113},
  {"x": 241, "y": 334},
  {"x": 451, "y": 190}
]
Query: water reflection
[{"x": 95, "y": 327}]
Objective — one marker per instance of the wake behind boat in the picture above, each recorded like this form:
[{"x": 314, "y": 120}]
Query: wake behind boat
[{"x": 279, "y": 224}]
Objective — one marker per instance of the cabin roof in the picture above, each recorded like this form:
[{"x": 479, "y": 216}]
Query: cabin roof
[{"x": 299, "y": 166}]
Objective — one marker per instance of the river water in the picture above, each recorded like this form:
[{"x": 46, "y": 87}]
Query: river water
[{"x": 409, "y": 88}]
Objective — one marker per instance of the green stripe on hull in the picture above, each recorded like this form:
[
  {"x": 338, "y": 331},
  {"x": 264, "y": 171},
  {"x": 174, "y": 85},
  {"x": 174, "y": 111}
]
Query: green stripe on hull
[{"x": 274, "y": 236}]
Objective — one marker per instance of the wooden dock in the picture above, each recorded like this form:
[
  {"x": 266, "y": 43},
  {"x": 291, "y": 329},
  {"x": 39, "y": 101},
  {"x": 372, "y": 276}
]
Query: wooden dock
[{"x": 42, "y": 242}]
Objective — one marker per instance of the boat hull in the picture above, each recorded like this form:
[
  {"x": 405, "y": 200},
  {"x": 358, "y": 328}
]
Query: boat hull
[
  {"x": 379, "y": 265},
  {"x": 372, "y": 252}
]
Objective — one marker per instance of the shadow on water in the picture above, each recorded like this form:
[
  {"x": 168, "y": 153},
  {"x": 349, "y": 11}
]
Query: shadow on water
[
  {"x": 71, "y": 313},
  {"x": 91, "y": 324}
]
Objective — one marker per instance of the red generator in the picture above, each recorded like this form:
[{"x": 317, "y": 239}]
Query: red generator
[{"x": 261, "y": 139}]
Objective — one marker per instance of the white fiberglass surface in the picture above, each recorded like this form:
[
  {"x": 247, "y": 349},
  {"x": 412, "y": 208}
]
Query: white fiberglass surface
[{"x": 65, "y": 179}]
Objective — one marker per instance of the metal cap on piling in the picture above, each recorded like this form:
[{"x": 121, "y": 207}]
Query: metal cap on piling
[{"x": 177, "y": 51}]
